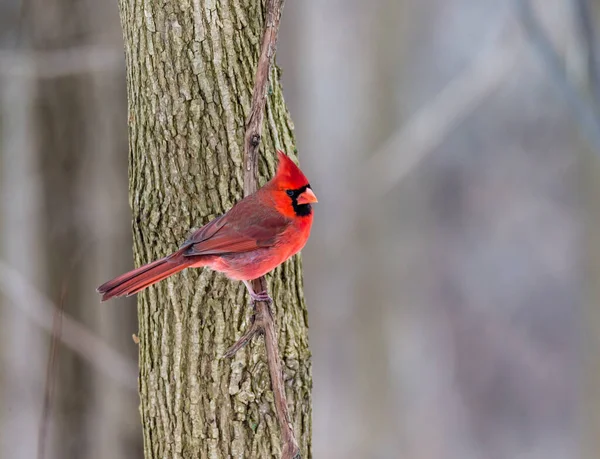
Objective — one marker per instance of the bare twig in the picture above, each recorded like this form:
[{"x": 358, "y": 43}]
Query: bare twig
[
  {"x": 262, "y": 322},
  {"x": 255, "y": 329}
]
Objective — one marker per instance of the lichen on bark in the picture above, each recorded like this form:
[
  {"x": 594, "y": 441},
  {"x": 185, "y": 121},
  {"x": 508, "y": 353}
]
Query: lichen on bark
[{"x": 190, "y": 71}]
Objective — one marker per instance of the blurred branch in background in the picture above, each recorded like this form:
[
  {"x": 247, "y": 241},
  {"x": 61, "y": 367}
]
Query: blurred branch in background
[
  {"x": 41, "y": 310},
  {"x": 59, "y": 63},
  {"x": 585, "y": 19},
  {"x": 590, "y": 190},
  {"x": 584, "y": 112},
  {"x": 428, "y": 128},
  {"x": 51, "y": 369}
]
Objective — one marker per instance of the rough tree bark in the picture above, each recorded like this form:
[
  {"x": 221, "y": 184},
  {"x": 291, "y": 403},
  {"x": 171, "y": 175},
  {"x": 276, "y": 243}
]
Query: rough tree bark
[{"x": 190, "y": 72}]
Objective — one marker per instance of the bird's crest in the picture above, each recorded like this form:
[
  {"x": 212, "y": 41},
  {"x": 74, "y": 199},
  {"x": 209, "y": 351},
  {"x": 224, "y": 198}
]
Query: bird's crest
[{"x": 288, "y": 175}]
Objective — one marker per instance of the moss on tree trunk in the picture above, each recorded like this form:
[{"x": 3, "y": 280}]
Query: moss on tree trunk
[{"x": 190, "y": 71}]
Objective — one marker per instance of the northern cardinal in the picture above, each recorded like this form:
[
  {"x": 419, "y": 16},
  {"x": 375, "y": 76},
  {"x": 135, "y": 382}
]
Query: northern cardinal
[{"x": 254, "y": 237}]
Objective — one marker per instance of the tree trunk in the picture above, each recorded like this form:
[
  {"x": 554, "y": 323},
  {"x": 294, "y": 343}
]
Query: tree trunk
[{"x": 190, "y": 71}]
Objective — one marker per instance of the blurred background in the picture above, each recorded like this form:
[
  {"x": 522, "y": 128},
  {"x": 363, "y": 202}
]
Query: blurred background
[{"x": 452, "y": 274}]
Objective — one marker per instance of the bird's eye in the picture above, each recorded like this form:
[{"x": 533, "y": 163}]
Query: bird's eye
[{"x": 290, "y": 193}]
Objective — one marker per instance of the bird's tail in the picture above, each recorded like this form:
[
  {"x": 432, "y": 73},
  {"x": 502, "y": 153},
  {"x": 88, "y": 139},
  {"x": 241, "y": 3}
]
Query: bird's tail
[{"x": 137, "y": 280}]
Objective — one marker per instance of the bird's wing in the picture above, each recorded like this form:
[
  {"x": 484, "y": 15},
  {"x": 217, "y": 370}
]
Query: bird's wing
[{"x": 248, "y": 225}]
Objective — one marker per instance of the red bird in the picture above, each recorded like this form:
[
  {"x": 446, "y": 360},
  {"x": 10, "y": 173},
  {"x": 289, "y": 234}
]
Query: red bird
[{"x": 254, "y": 237}]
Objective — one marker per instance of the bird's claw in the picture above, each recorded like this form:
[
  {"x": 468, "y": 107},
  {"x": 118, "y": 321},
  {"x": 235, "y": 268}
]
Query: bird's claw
[{"x": 261, "y": 296}]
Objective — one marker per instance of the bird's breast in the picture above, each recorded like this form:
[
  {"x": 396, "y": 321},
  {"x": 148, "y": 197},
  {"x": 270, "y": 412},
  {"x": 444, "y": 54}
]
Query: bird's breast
[{"x": 256, "y": 263}]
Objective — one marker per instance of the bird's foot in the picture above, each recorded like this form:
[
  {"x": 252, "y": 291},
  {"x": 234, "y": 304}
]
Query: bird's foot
[
  {"x": 256, "y": 297},
  {"x": 261, "y": 296}
]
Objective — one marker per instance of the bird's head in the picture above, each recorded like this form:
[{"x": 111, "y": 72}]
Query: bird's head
[{"x": 294, "y": 194}]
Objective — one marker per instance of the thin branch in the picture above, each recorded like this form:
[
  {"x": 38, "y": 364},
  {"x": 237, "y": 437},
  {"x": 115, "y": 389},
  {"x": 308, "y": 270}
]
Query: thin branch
[
  {"x": 263, "y": 320},
  {"x": 259, "y": 95}
]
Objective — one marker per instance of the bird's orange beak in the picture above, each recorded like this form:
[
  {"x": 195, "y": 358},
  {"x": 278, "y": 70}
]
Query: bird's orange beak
[{"x": 307, "y": 197}]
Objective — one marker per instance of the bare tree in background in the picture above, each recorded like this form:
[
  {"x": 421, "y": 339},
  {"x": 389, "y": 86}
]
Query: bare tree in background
[
  {"x": 63, "y": 136},
  {"x": 190, "y": 71}
]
